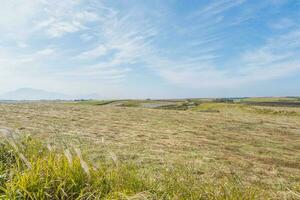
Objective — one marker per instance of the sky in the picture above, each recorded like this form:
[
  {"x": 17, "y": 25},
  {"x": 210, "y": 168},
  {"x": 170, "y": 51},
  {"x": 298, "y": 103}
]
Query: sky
[{"x": 151, "y": 48}]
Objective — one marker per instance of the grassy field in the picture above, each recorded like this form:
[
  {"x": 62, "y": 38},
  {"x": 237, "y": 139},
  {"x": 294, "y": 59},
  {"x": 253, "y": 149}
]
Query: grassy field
[
  {"x": 183, "y": 149},
  {"x": 272, "y": 99}
]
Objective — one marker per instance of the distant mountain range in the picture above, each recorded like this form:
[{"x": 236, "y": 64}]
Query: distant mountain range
[{"x": 28, "y": 94}]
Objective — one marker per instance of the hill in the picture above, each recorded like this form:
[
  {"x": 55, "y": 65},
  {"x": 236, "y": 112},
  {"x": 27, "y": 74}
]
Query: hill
[{"x": 33, "y": 94}]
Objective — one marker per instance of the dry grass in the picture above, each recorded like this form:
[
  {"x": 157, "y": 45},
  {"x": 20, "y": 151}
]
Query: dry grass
[
  {"x": 54, "y": 175},
  {"x": 261, "y": 148}
]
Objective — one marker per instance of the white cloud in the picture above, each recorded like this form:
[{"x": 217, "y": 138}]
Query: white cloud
[
  {"x": 16, "y": 13},
  {"x": 26, "y": 64},
  {"x": 124, "y": 40},
  {"x": 86, "y": 37},
  {"x": 97, "y": 52},
  {"x": 283, "y": 23},
  {"x": 109, "y": 44},
  {"x": 45, "y": 52},
  {"x": 60, "y": 28},
  {"x": 217, "y": 7},
  {"x": 277, "y": 58},
  {"x": 15, "y": 18},
  {"x": 212, "y": 78},
  {"x": 22, "y": 45},
  {"x": 87, "y": 16}
]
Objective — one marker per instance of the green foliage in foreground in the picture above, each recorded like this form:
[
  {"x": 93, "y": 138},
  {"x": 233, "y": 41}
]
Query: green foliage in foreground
[{"x": 28, "y": 170}]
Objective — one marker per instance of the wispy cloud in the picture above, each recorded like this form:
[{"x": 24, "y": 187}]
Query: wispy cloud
[
  {"x": 124, "y": 40},
  {"x": 277, "y": 58},
  {"x": 283, "y": 23},
  {"x": 96, "y": 52},
  {"x": 217, "y": 7},
  {"x": 87, "y": 43}
]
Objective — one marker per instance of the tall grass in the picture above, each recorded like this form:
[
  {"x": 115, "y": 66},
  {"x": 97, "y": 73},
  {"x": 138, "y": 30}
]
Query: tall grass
[{"x": 30, "y": 170}]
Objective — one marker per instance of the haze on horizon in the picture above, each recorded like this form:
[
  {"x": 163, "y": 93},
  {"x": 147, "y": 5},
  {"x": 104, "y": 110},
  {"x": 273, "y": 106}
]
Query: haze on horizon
[{"x": 151, "y": 49}]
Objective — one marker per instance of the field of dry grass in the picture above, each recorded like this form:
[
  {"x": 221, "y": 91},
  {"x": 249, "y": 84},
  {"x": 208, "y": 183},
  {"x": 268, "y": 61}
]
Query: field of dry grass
[{"x": 258, "y": 145}]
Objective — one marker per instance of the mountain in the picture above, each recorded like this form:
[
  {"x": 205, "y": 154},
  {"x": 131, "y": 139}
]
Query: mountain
[{"x": 33, "y": 94}]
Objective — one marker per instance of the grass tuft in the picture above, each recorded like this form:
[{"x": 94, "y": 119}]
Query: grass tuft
[{"x": 54, "y": 175}]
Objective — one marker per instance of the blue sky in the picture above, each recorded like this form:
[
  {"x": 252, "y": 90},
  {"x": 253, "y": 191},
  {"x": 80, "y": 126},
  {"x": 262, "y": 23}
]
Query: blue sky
[{"x": 151, "y": 48}]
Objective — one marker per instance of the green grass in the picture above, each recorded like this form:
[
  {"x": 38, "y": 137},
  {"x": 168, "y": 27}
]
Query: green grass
[
  {"x": 92, "y": 102},
  {"x": 218, "y": 107},
  {"x": 29, "y": 170},
  {"x": 131, "y": 103},
  {"x": 178, "y": 106},
  {"x": 269, "y": 111},
  {"x": 271, "y": 99},
  {"x": 215, "y": 107}
]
